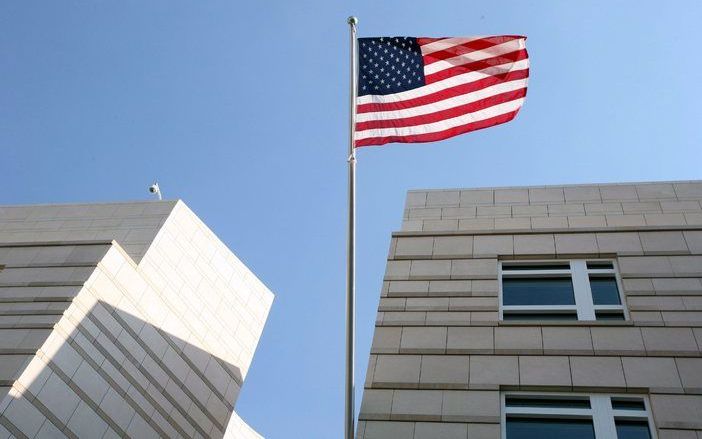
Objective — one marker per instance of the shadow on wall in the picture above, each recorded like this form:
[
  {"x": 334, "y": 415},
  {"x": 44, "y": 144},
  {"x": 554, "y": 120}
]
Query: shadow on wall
[{"x": 107, "y": 373}]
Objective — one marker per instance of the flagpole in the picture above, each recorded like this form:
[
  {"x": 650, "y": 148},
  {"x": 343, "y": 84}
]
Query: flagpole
[{"x": 351, "y": 244}]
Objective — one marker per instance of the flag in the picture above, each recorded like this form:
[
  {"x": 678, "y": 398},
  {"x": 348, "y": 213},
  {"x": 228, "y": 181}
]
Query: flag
[{"x": 427, "y": 89}]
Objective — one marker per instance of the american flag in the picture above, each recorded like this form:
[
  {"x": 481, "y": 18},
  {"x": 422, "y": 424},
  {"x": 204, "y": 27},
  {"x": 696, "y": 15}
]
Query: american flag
[{"x": 426, "y": 89}]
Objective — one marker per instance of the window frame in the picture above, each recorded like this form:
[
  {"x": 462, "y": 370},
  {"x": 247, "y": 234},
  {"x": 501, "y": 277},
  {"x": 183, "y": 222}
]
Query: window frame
[
  {"x": 579, "y": 274},
  {"x": 601, "y": 412}
]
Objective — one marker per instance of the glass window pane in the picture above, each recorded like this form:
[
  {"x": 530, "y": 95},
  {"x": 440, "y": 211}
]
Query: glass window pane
[
  {"x": 600, "y": 265},
  {"x": 538, "y": 291},
  {"x": 632, "y": 430},
  {"x": 540, "y": 316},
  {"x": 604, "y": 291},
  {"x": 628, "y": 404},
  {"x": 527, "y": 267},
  {"x": 526, "y": 401},
  {"x": 518, "y": 428}
]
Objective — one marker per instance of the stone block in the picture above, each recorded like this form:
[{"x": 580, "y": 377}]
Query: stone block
[
  {"x": 546, "y": 195},
  {"x": 388, "y": 429},
  {"x": 476, "y": 196},
  {"x": 511, "y": 196},
  {"x": 690, "y": 370},
  {"x": 397, "y": 270},
  {"x": 586, "y": 222},
  {"x": 645, "y": 266},
  {"x": 439, "y": 430},
  {"x": 642, "y": 207},
  {"x": 386, "y": 340},
  {"x": 669, "y": 341},
  {"x": 414, "y": 247},
  {"x": 628, "y": 220},
  {"x": 617, "y": 341},
  {"x": 544, "y": 371},
  {"x": 660, "y": 375},
  {"x": 576, "y": 244},
  {"x": 447, "y": 225},
  {"x": 376, "y": 404},
  {"x": 470, "y": 340},
  {"x": 529, "y": 210},
  {"x": 581, "y": 193},
  {"x": 688, "y": 266},
  {"x": 430, "y": 269},
  {"x": 451, "y": 318},
  {"x": 567, "y": 340},
  {"x": 655, "y": 191},
  {"x": 471, "y": 406},
  {"x": 412, "y": 225},
  {"x": 397, "y": 371},
  {"x": 618, "y": 192},
  {"x": 663, "y": 243},
  {"x": 423, "y": 340},
  {"x": 676, "y": 434},
  {"x": 427, "y": 304},
  {"x": 680, "y": 206},
  {"x": 693, "y": 219},
  {"x": 422, "y": 213},
  {"x": 597, "y": 373},
  {"x": 603, "y": 208},
  {"x": 542, "y": 245},
  {"x": 472, "y": 268},
  {"x": 444, "y": 371},
  {"x": 415, "y": 199},
  {"x": 485, "y": 288},
  {"x": 442, "y": 198},
  {"x": 453, "y": 247},
  {"x": 473, "y": 304},
  {"x": 450, "y": 288},
  {"x": 619, "y": 243},
  {"x": 518, "y": 340},
  {"x": 391, "y": 304},
  {"x": 417, "y": 405},
  {"x": 694, "y": 241},
  {"x": 457, "y": 212},
  {"x": 677, "y": 411},
  {"x": 403, "y": 318},
  {"x": 665, "y": 219},
  {"x": 493, "y": 211},
  {"x": 408, "y": 288},
  {"x": 491, "y": 372},
  {"x": 566, "y": 210},
  {"x": 512, "y": 224},
  {"x": 551, "y": 222},
  {"x": 688, "y": 190},
  {"x": 475, "y": 224},
  {"x": 483, "y": 431},
  {"x": 493, "y": 246}
]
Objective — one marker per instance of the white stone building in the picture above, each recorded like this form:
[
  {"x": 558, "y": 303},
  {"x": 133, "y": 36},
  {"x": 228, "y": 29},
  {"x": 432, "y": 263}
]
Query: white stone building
[{"x": 122, "y": 320}]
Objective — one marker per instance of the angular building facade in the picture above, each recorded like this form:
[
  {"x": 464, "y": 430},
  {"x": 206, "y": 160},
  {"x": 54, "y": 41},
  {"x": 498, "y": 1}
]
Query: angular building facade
[
  {"x": 122, "y": 320},
  {"x": 541, "y": 312}
]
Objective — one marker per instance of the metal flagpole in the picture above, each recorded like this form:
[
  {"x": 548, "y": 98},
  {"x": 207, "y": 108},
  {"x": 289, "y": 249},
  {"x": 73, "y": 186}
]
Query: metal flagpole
[{"x": 351, "y": 244}]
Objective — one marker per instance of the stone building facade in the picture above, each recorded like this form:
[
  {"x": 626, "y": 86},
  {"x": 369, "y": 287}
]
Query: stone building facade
[
  {"x": 122, "y": 320},
  {"x": 531, "y": 312}
]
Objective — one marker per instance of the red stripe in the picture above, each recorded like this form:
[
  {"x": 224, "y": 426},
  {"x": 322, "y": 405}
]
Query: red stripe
[
  {"x": 442, "y": 94},
  {"x": 439, "y": 135},
  {"x": 423, "y": 41},
  {"x": 462, "y": 49},
  {"x": 443, "y": 114},
  {"x": 517, "y": 55}
]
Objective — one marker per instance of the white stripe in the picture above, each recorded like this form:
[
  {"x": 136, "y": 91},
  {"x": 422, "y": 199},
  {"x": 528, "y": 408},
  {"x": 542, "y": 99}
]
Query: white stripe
[
  {"x": 445, "y": 104},
  {"x": 453, "y": 81},
  {"x": 442, "y": 125},
  {"x": 440, "y": 45},
  {"x": 476, "y": 55}
]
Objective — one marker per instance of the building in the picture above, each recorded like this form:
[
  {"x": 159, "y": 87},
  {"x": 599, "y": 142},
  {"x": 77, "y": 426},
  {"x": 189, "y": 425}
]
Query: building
[
  {"x": 541, "y": 312},
  {"x": 122, "y": 320}
]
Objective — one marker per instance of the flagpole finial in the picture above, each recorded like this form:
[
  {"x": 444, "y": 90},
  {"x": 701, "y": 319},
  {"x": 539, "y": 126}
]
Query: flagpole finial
[{"x": 353, "y": 21}]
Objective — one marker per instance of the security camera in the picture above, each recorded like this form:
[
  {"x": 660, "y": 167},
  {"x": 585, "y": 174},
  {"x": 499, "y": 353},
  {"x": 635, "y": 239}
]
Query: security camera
[{"x": 154, "y": 189}]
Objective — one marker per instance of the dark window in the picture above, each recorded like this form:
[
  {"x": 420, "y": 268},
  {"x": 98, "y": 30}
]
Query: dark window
[
  {"x": 600, "y": 266},
  {"x": 632, "y": 429},
  {"x": 604, "y": 291},
  {"x": 538, "y": 291},
  {"x": 609, "y": 315},
  {"x": 525, "y": 401},
  {"x": 518, "y": 428},
  {"x": 526, "y": 267},
  {"x": 628, "y": 404}
]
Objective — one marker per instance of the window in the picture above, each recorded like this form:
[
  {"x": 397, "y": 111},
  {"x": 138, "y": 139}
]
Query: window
[
  {"x": 560, "y": 290},
  {"x": 575, "y": 416}
]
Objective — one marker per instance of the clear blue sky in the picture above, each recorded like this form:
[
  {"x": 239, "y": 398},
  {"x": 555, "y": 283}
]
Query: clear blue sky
[{"x": 240, "y": 109}]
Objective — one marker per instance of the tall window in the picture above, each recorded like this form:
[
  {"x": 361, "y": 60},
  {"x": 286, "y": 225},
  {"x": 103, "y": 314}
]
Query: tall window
[
  {"x": 560, "y": 290},
  {"x": 574, "y": 416}
]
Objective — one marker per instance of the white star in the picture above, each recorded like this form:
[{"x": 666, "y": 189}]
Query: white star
[{"x": 382, "y": 81}]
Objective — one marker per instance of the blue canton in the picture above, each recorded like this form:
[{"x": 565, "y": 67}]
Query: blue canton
[{"x": 389, "y": 65}]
